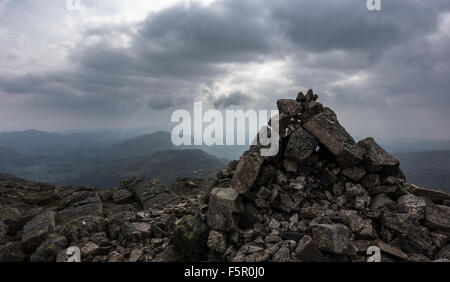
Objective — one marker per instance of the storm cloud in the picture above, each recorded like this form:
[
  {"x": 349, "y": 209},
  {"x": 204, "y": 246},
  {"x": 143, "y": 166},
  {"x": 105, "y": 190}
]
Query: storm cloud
[{"x": 111, "y": 64}]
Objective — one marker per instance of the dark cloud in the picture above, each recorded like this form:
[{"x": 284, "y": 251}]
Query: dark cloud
[
  {"x": 385, "y": 63},
  {"x": 233, "y": 99}
]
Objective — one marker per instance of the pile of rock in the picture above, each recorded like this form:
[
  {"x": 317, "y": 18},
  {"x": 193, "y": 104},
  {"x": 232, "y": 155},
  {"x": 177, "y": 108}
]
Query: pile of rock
[
  {"x": 136, "y": 222},
  {"x": 324, "y": 197}
]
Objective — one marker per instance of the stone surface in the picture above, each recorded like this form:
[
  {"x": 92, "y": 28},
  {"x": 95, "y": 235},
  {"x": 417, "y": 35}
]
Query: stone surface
[
  {"x": 38, "y": 230},
  {"x": 301, "y": 145},
  {"x": 224, "y": 204},
  {"x": 437, "y": 217},
  {"x": 375, "y": 157},
  {"x": 289, "y": 107},
  {"x": 412, "y": 205},
  {"x": 326, "y": 128},
  {"x": 191, "y": 238},
  {"x": 332, "y": 238},
  {"x": 246, "y": 172}
]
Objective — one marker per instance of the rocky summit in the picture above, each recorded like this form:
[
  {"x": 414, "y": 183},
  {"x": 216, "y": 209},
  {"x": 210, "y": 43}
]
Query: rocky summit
[{"x": 324, "y": 197}]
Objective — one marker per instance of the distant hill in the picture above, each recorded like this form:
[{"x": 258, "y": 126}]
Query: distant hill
[
  {"x": 141, "y": 146},
  {"x": 41, "y": 143},
  {"x": 166, "y": 165},
  {"x": 430, "y": 169},
  {"x": 418, "y": 146}
]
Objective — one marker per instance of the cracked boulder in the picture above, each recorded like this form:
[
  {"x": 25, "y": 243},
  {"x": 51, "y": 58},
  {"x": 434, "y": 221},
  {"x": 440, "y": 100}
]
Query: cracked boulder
[{"x": 330, "y": 133}]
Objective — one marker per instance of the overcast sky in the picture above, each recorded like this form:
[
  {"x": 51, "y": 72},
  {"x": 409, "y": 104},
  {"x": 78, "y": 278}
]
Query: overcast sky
[{"x": 129, "y": 64}]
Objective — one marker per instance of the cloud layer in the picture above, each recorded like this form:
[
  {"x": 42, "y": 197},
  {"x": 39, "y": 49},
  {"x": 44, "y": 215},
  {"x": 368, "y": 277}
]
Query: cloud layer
[{"x": 114, "y": 64}]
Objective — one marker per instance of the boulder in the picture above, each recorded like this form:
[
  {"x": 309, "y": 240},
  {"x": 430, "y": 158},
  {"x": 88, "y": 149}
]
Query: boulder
[
  {"x": 117, "y": 221},
  {"x": 48, "y": 250},
  {"x": 289, "y": 107},
  {"x": 224, "y": 206},
  {"x": 12, "y": 252},
  {"x": 301, "y": 145},
  {"x": 352, "y": 220},
  {"x": 327, "y": 130},
  {"x": 37, "y": 230},
  {"x": 375, "y": 157},
  {"x": 17, "y": 223},
  {"x": 121, "y": 196},
  {"x": 79, "y": 204},
  {"x": 217, "y": 242},
  {"x": 354, "y": 173},
  {"x": 246, "y": 172},
  {"x": 3, "y": 231},
  {"x": 332, "y": 238},
  {"x": 437, "y": 217},
  {"x": 412, "y": 205},
  {"x": 191, "y": 237},
  {"x": 152, "y": 194},
  {"x": 135, "y": 232},
  {"x": 436, "y": 196}
]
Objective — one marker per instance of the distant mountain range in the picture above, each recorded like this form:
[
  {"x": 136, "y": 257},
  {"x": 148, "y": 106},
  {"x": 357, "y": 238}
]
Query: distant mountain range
[
  {"x": 430, "y": 168},
  {"x": 103, "y": 159}
]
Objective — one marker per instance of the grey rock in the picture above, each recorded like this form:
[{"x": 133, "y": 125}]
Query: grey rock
[
  {"x": 289, "y": 107},
  {"x": 247, "y": 171},
  {"x": 190, "y": 238},
  {"x": 326, "y": 128},
  {"x": 153, "y": 194},
  {"x": 282, "y": 255},
  {"x": 135, "y": 232},
  {"x": 121, "y": 196},
  {"x": 224, "y": 206},
  {"x": 443, "y": 253},
  {"x": 362, "y": 202},
  {"x": 79, "y": 204},
  {"x": 301, "y": 145},
  {"x": 437, "y": 217},
  {"x": 37, "y": 230},
  {"x": 12, "y": 252},
  {"x": 436, "y": 196},
  {"x": 397, "y": 222},
  {"x": 48, "y": 250},
  {"x": 370, "y": 181},
  {"x": 3, "y": 231},
  {"x": 332, "y": 238},
  {"x": 412, "y": 205},
  {"x": 116, "y": 221},
  {"x": 216, "y": 242},
  {"x": 352, "y": 220},
  {"x": 381, "y": 201},
  {"x": 354, "y": 173},
  {"x": 353, "y": 190},
  {"x": 375, "y": 157},
  {"x": 386, "y": 189}
]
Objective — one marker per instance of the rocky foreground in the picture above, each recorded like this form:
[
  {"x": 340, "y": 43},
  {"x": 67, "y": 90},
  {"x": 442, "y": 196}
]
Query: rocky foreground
[{"x": 324, "y": 197}]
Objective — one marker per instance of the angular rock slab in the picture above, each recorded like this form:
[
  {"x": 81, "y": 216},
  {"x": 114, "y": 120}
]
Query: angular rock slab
[
  {"x": 224, "y": 204},
  {"x": 79, "y": 204},
  {"x": 37, "y": 230},
  {"x": 289, "y": 107},
  {"x": 246, "y": 172},
  {"x": 191, "y": 238},
  {"x": 438, "y": 217},
  {"x": 326, "y": 128},
  {"x": 375, "y": 157},
  {"x": 151, "y": 194},
  {"x": 301, "y": 145},
  {"x": 333, "y": 238}
]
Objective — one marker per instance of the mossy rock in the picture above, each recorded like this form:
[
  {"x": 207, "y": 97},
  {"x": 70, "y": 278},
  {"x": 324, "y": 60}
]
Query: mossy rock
[{"x": 190, "y": 238}]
